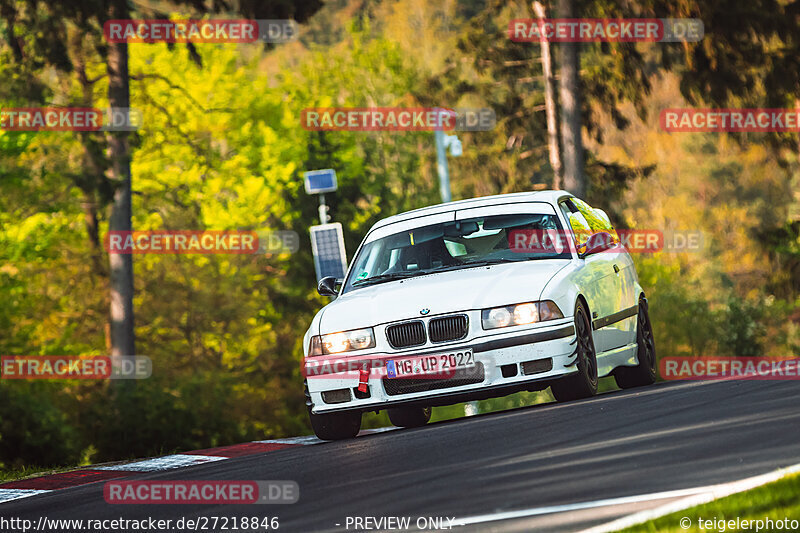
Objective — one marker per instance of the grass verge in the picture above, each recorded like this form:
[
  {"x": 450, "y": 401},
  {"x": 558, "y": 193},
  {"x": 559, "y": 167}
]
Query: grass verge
[
  {"x": 13, "y": 474},
  {"x": 777, "y": 501}
]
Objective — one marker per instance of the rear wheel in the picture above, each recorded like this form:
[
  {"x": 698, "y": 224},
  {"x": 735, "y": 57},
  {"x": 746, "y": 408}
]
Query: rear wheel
[
  {"x": 628, "y": 377},
  {"x": 584, "y": 383},
  {"x": 409, "y": 417},
  {"x": 336, "y": 426}
]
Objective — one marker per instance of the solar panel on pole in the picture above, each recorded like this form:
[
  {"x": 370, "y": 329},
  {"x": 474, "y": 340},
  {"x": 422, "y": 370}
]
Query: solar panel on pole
[{"x": 327, "y": 245}]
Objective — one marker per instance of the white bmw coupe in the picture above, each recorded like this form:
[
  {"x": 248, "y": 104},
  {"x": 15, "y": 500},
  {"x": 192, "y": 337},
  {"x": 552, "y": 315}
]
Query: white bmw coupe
[{"x": 476, "y": 299}]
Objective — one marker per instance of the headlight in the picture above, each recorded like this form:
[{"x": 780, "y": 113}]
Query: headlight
[
  {"x": 517, "y": 315},
  {"x": 343, "y": 341}
]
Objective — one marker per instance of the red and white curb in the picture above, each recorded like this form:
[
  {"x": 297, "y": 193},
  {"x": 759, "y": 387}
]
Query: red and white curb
[
  {"x": 14, "y": 490},
  {"x": 15, "y": 494}
]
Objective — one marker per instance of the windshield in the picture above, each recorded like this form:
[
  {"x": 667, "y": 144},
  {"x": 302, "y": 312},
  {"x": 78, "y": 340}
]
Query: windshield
[{"x": 449, "y": 246}]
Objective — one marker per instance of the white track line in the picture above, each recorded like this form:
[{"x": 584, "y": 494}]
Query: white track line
[
  {"x": 293, "y": 440},
  {"x": 688, "y": 498},
  {"x": 311, "y": 439},
  {"x": 713, "y": 492},
  {"x": 6, "y": 495},
  {"x": 377, "y": 430},
  {"x": 536, "y": 511}
]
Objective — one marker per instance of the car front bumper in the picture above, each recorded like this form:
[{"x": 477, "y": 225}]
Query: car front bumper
[{"x": 505, "y": 362}]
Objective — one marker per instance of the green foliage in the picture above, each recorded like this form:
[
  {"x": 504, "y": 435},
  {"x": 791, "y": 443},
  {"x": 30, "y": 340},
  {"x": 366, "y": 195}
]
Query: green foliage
[
  {"x": 34, "y": 429},
  {"x": 683, "y": 322},
  {"x": 694, "y": 322},
  {"x": 741, "y": 331},
  {"x": 160, "y": 416}
]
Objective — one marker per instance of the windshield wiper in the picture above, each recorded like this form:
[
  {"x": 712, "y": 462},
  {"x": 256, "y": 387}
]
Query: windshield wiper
[
  {"x": 471, "y": 264},
  {"x": 382, "y": 278}
]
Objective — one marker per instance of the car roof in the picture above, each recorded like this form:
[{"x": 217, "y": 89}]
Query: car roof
[{"x": 551, "y": 197}]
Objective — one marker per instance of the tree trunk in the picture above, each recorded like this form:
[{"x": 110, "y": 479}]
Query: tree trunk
[
  {"x": 89, "y": 206},
  {"x": 550, "y": 104},
  {"x": 122, "y": 339},
  {"x": 569, "y": 85},
  {"x": 91, "y": 180}
]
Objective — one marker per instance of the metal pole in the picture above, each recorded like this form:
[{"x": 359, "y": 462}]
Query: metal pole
[
  {"x": 323, "y": 212},
  {"x": 471, "y": 408},
  {"x": 441, "y": 166}
]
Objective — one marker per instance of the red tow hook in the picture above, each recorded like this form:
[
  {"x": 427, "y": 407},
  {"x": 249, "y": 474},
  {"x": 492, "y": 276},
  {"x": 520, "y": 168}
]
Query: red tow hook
[{"x": 363, "y": 377}]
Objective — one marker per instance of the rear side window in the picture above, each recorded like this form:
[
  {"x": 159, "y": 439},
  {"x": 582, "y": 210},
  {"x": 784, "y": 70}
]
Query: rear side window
[{"x": 596, "y": 222}]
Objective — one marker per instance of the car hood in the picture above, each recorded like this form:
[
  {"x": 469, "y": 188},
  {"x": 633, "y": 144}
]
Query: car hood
[{"x": 445, "y": 292}]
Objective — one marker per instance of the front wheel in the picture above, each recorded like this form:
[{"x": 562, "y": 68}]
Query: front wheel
[
  {"x": 628, "y": 377},
  {"x": 409, "y": 417},
  {"x": 583, "y": 384},
  {"x": 336, "y": 426}
]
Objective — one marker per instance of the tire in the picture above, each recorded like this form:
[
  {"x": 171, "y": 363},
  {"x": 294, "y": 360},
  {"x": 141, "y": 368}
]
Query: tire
[
  {"x": 409, "y": 417},
  {"x": 336, "y": 426},
  {"x": 628, "y": 377},
  {"x": 584, "y": 383}
]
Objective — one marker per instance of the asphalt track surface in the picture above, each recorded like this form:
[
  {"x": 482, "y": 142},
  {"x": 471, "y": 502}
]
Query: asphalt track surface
[{"x": 666, "y": 437}]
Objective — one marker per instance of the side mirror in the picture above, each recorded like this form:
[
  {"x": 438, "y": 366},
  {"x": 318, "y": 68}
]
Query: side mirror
[
  {"x": 327, "y": 286},
  {"x": 599, "y": 242}
]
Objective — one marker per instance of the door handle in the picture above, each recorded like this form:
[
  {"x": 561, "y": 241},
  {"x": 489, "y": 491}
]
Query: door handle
[{"x": 616, "y": 269}]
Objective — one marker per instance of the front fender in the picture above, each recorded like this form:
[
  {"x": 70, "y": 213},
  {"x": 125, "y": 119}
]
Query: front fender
[{"x": 565, "y": 287}]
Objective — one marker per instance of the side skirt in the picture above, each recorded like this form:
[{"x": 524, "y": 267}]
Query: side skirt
[{"x": 611, "y": 359}]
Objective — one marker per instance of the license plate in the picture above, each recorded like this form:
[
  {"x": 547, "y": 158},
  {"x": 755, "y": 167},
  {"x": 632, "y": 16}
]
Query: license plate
[{"x": 431, "y": 366}]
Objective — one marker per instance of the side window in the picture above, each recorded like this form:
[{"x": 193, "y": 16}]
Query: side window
[
  {"x": 595, "y": 221},
  {"x": 598, "y": 220},
  {"x": 581, "y": 230}
]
